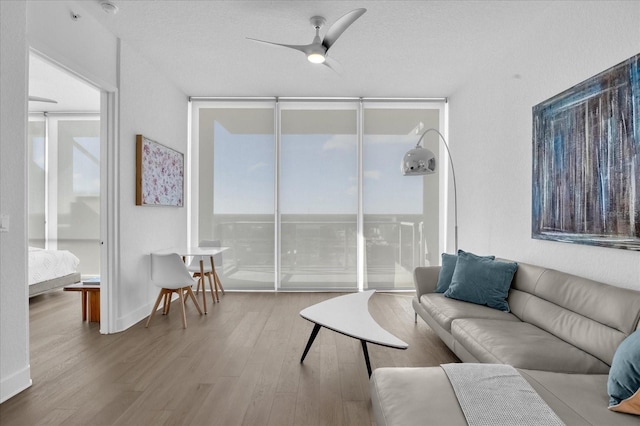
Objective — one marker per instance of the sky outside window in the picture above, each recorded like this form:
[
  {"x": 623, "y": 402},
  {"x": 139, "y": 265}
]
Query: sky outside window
[{"x": 319, "y": 174}]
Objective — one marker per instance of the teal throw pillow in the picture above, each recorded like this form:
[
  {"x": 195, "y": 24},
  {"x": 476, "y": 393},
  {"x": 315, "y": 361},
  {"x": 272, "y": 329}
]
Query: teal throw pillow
[
  {"x": 446, "y": 272},
  {"x": 447, "y": 268},
  {"x": 482, "y": 281},
  {"x": 623, "y": 385}
]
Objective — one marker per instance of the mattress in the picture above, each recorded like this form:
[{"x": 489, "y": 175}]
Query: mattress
[{"x": 46, "y": 265}]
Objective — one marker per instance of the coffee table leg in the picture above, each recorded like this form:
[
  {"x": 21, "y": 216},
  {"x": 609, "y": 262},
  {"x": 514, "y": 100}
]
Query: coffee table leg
[
  {"x": 366, "y": 356},
  {"x": 314, "y": 333}
]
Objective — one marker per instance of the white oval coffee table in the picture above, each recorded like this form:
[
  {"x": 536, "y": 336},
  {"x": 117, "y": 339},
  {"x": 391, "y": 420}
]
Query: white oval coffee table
[{"x": 349, "y": 315}]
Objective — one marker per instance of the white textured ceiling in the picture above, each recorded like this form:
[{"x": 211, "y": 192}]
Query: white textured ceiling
[
  {"x": 70, "y": 93},
  {"x": 396, "y": 49}
]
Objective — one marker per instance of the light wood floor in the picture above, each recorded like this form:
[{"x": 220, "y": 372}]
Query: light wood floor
[{"x": 238, "y": 365}]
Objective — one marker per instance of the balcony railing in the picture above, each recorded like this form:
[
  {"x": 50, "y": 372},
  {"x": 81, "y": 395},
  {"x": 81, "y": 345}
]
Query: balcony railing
[{"x": 326, "y": 247}]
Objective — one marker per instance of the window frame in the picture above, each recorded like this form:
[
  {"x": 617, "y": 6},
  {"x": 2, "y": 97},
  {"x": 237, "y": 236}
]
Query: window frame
[{"x": 278, "y": 104}]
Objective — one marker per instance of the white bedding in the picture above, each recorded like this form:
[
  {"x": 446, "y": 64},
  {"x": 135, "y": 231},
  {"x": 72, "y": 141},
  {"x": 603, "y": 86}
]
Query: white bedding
[{"x": 48, "y": 264}]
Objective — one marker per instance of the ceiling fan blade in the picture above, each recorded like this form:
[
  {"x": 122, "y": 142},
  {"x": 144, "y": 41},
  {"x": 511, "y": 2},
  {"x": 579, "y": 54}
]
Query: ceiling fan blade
[
  {"x": 333, "y": 64},
  {"x": 39, "y": 99},
  {"x": 340, "y": 26},
  {"x": 302, "y": 48}
]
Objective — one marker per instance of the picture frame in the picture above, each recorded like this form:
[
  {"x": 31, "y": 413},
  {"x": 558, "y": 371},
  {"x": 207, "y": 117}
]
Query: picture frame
[
  {"x": 586, "y": 161},
  {"x": 159, "y": 174}
]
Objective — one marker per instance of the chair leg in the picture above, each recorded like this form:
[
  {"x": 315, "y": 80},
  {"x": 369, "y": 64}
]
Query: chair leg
[
  {"x": 215, "y": 274},
  {"x": 153, "y": 311},
  {"x": 197, "y": 275},
  {"x": 214, "y": 297},
  {"x": 184, "y": 311},
  {"x": 193, "y": 297},
  {"x": 186, "y": 299},
  {"x": 204, "y": 293},
  {"x": 167, "y": 302},
  {"x": 216, "y": 279}
]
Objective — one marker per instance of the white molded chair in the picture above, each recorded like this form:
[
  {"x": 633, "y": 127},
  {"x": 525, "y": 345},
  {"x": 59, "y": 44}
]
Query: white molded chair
[{"x": 170, "y": 274}]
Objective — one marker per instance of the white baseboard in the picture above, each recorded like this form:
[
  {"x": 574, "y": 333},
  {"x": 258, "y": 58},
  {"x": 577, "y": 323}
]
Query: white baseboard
[
  {"x": 136, "y": 316},
  {"x": 132, "y": 318},
  {"x": 15, "y": 383}
]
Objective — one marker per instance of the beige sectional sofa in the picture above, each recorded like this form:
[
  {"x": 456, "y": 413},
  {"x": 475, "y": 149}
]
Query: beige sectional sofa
[{"x": 561, "y": 334}]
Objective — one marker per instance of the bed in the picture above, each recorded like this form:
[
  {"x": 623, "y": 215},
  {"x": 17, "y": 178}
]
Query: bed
[{"x": 50, "y": 269}]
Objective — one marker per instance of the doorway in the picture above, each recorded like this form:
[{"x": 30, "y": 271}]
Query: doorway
[{"x": 65, "y": 146}]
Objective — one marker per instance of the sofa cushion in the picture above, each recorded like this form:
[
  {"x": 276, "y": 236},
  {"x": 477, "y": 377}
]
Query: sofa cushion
[
  {"x": 578, "y": 330},
  {"x": 584, "y": 395},
  {"x": 445, "y": 310},
  {"x": 590, "y": 315},
  {"x": 448, "y": 267},
  {"x": 482, "y": 281},
  {"x": 615, "y": 307},
  {"x": 413, "y": 396},
  {"x": 624, "y": 378},
  {"x": 522, "y": 345}
]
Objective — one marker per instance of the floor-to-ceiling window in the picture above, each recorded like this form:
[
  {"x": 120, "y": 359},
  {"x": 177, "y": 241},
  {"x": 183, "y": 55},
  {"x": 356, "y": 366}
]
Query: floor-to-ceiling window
[
  {"x": 400, "y": 213},
  {"x": 318, "y": 197},
  {"x": 308, "y": 194},
  {"x": 36, "y": 151},
  {"x": 64, "y": 186},
  {"x": 78, "y": 190},
  {"x": 235, "y": 162}
]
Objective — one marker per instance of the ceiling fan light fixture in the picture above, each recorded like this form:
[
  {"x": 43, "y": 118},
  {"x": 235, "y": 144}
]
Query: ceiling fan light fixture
[
  {"x": 316, "y": 58},
  {"x": 316, "y": 51}
]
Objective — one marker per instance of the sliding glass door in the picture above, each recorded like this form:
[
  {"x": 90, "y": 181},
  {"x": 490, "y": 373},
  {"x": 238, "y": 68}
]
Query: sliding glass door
[
  {"x": 318, "y": 196},
  {"x": 308, "y": 194}
]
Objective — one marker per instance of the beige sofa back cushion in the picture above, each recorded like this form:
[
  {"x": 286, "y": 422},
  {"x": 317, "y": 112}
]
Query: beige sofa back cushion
[{"x": 590, "y": 315}]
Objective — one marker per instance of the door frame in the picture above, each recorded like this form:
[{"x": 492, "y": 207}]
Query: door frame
[{"x": 108, "y": 182}]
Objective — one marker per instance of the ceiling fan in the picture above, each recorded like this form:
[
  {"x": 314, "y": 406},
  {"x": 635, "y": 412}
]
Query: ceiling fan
[
  {"x": 317, "y": 51},
  {"x": 39, "y": 99}
]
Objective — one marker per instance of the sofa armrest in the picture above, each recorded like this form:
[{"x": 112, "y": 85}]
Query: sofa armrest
[{"x": 425, "y": 278}]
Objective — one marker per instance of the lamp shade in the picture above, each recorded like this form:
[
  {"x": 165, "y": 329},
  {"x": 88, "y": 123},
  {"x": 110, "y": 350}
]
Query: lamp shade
[
  {"x": 421, "y": 161},
  {"x": 418, "y": 161}
]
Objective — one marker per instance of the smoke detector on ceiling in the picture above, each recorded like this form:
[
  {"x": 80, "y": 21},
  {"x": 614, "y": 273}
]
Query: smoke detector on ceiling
[{"x": 109, "y": 7}]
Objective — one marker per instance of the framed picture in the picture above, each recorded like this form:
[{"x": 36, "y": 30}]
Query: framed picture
[
  {"x": 586, "y": 161},
  {"x": 159, "y": 174}
]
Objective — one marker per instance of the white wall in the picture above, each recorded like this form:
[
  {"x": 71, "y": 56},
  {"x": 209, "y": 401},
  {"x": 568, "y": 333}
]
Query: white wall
[
  {"x": 148, "y": 104},
  {"x": 152, "y": 106},
  {"x": 83, "y": 45},
  {"x": 14, "y": 339},
  {"x": 491, "y": 136}
]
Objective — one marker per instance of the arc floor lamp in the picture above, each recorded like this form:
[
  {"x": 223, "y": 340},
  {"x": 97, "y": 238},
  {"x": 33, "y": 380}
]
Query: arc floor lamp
[{"x": 420, "y": 161}]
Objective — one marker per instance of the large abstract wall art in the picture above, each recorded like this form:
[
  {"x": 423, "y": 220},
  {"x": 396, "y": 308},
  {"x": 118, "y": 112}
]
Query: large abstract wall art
[
  {"x": 586, "y": 161},
  {"x": 159, "y": 174}
]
